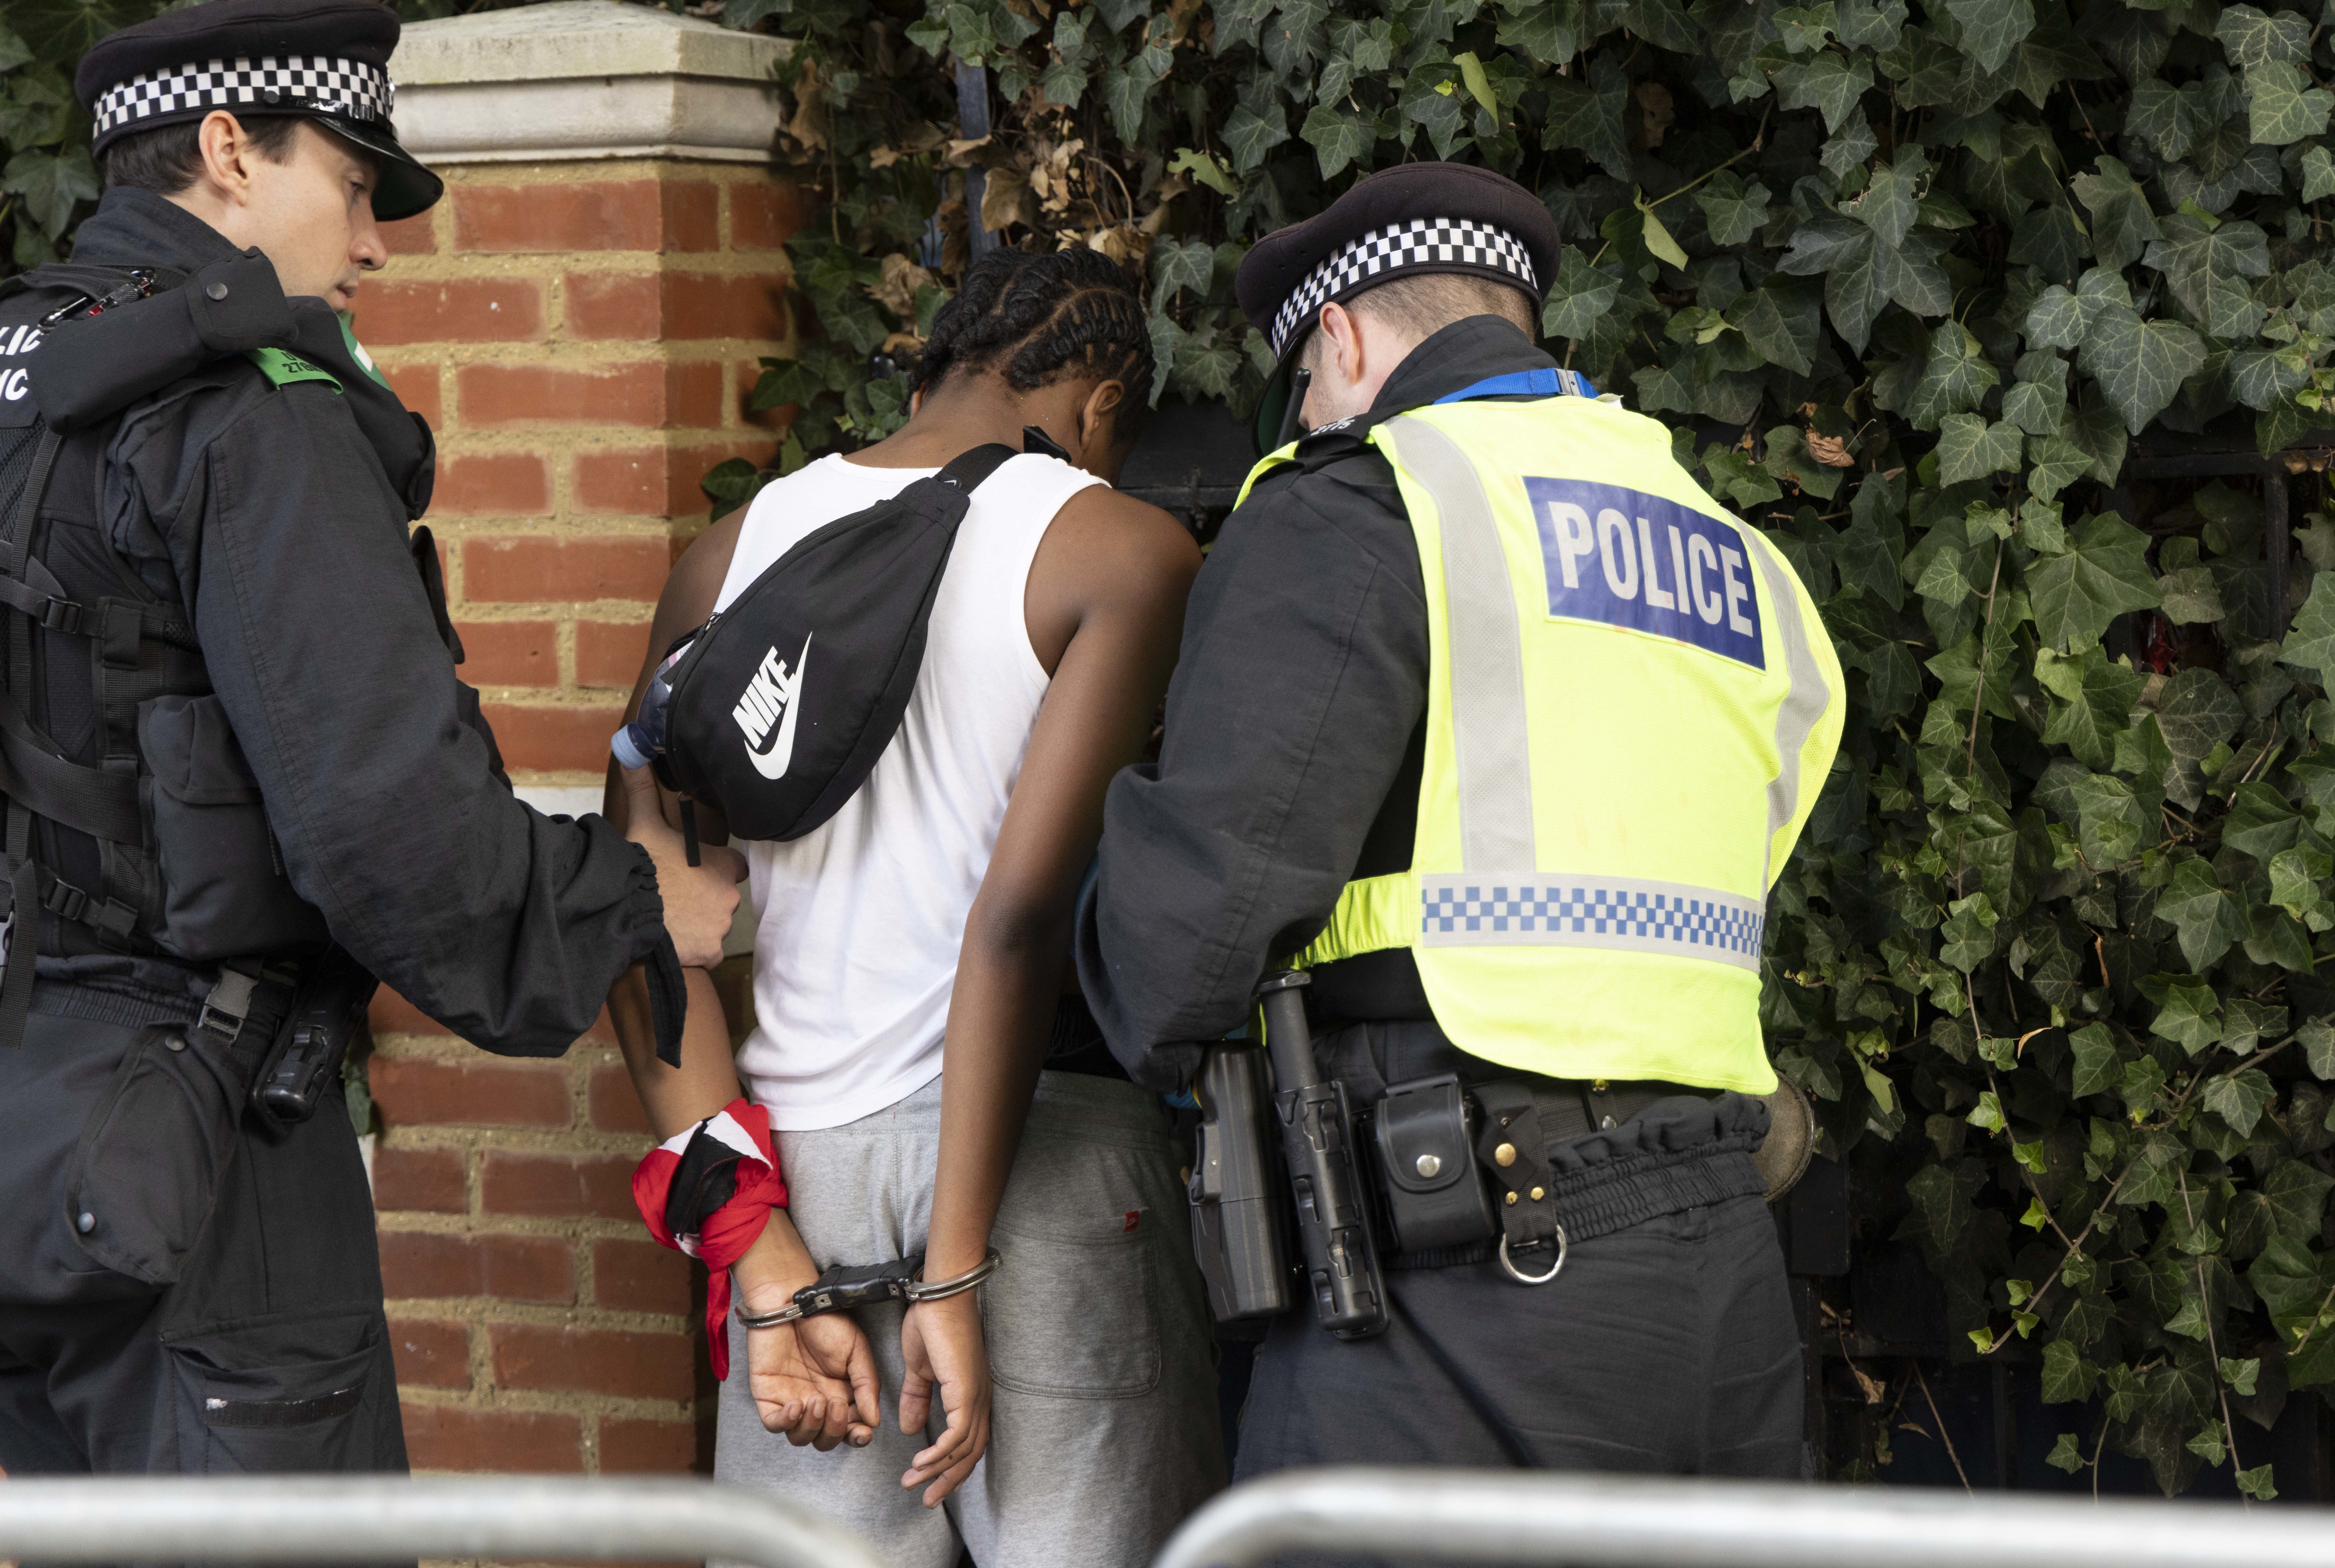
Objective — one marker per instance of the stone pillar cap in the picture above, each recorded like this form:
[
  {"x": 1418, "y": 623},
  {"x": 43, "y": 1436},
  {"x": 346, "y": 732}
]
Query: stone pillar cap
[{"x": 583, "y": 79}]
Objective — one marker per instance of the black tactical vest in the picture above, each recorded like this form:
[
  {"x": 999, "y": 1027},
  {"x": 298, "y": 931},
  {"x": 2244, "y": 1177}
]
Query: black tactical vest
[{"x": 133, "y": 824}]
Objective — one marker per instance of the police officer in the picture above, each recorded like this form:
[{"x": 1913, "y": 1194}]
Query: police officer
[
  {"x": 1494, "y": 723},
  {"x": 240, "y": 777}
]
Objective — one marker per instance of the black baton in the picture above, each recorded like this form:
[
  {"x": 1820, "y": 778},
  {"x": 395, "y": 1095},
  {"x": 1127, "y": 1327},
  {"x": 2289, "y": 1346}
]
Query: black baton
[{"x": 1341, "y": 1265}]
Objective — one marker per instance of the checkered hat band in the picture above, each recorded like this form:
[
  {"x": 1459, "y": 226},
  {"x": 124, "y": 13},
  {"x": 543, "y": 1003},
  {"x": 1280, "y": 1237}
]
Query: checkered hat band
[
  {"x": 349, "y": 87},
  {"x": 1430, "y": 242}
]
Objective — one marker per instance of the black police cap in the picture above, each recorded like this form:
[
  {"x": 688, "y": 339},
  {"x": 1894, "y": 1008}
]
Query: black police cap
[
  {"x": 1400, "y": 222},
  {"x": 326, "y": 60}
]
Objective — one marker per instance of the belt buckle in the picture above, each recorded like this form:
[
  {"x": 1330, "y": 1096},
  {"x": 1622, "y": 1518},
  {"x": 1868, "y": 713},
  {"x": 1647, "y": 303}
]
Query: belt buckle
[{"x": 229, "y": 1003}]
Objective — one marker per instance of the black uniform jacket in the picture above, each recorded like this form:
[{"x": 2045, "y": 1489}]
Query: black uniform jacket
[
  {"x": 1294, "y": 734},
  {"x": 275, "y": 515}
]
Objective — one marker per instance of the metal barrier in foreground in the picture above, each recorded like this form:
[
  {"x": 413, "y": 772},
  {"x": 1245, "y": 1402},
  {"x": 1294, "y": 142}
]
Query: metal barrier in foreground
[
  {"x": 378, "y": 1518},
  {"x": 1455, "y": 1516}
]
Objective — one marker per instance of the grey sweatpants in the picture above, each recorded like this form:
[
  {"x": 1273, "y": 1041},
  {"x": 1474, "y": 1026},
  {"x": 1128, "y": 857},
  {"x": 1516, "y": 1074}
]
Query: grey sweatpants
[{"x": 1104, "y": 1430}]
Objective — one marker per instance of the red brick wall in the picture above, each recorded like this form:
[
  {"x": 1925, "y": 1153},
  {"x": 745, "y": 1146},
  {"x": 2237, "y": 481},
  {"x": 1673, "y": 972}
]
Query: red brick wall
[{"x": 581, "y": 338}]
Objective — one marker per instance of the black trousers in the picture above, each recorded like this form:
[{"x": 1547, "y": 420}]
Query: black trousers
[
  {"x": 268, "y": 1353},
  {"x": 1666, "y": 1348}
]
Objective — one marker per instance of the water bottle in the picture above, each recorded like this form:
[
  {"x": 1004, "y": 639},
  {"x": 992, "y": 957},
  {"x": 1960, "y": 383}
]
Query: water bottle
[{"x": 642, "y": 741}]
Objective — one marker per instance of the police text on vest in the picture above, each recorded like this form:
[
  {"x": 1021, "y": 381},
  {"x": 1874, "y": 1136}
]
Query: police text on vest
[{"x": 1631, "y": 559}]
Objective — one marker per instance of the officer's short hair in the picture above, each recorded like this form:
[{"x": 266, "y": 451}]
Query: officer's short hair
[
  {"x": 1429, "y": 301},
  {"x": 168, "y": 160}
]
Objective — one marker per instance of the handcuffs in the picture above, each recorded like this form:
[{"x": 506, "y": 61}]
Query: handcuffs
[{"x": 842, "y": 1288}]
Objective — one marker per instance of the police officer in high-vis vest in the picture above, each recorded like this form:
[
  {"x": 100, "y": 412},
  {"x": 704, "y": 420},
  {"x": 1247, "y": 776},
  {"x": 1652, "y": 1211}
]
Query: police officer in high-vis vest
[
  {"x": 239, "y": 778},
  {"x": 1497, "y": 728}
]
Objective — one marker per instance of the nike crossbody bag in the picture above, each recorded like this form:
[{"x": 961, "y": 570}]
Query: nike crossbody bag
[{"x": 781, "y": 705}]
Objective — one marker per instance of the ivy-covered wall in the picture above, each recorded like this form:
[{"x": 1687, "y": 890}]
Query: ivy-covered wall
[{"x": 1927, "y": 291}]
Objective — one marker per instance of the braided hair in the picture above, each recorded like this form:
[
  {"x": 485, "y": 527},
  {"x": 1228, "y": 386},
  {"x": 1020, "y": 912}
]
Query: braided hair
[{"x": 1036, "y": 318}]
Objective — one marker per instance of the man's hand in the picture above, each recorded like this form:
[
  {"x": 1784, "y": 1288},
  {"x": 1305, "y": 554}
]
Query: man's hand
[
  {"x": 941, "y": 1341},
  {"x": 813, "y": 1380},
  {"x": 699, "y": 900},
  {"x": 835, "y": 1346},
  {"x": 809, "y": 1379}
]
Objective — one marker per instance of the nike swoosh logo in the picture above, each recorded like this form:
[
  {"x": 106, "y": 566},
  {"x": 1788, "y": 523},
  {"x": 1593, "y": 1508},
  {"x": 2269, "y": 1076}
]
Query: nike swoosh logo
[{"x": 773, "y": 763}]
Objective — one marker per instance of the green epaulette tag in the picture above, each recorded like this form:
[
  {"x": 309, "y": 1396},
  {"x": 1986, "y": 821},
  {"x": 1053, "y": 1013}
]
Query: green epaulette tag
[{"x": 282, "y": 369}]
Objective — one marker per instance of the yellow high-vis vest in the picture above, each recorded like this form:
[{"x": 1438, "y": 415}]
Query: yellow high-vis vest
[{"x": 1631, "y": 706}]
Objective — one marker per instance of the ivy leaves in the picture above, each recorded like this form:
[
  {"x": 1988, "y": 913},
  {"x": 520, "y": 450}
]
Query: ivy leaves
[
  {"x": 1971, "y": 448},
  {"x": 2310, "y": 643},
  {"x": 2101, "y": 574},
  {"x": 1863, "y": 275},
  {"x": 1303, "y": 95},
  {"x": 2207, "y": 264},
  {"x": 1732, "y": 210},
  {"x": 2253, "y": 38},
  {"x": 2121, "y": 225},
  {"x": 1338, "y": 136},
  {"x": 1590, "y": 117},
  {"x": 51, "y": 183},
  {"x": 2282, "y": 107},
  {"x": 2138, "y": 364},
  {"x": 46, "y": 170},
  {"x": 1991, "y": 29}
]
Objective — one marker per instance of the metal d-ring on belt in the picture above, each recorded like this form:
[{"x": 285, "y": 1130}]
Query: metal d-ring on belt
[
  {"x": 1554, "y": 1269},
  {"x": 842, "y": 1288},
  {"x": 1511, "y": 1147}
]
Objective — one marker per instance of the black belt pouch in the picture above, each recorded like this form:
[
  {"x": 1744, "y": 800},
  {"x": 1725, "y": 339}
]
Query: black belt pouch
[{"x": 146, "y": 1173}]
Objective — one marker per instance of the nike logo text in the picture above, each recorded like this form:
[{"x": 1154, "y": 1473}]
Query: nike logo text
[{"x": 767, "y": 711}]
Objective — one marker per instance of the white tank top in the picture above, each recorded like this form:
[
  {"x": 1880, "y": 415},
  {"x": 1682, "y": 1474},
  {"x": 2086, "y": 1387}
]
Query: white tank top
[{"x": 857, "y": 924}]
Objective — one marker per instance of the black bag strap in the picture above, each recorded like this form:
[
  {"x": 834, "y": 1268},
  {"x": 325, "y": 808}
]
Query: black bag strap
[{"x": 967, "y": 472}]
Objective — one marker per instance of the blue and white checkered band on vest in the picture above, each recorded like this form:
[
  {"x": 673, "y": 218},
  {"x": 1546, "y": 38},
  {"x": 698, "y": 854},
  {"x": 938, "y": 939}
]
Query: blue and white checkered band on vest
[
  {"x": 349, "y": 87},
  {"x": 1399, "y": 245}
]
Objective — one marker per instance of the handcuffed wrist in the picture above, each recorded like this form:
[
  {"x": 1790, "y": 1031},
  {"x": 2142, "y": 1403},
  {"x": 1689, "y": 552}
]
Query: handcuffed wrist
[
  {"x": 763, "y": 1291},
  {"x": 925, "y": 1289}
]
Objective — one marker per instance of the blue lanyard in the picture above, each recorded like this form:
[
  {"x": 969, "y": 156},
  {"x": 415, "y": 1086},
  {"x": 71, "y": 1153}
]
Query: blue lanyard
[{"x": 1546, "y": 382}]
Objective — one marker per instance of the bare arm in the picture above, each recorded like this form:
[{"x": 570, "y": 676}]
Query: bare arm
[
  {"x": 815, "y": 1384},
  {"x": 1107, "y": 590},
  {"x": 675, "y": 1098},
  {"x": 1113, "y": 573}
]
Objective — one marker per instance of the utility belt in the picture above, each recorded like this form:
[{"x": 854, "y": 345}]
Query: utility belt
[
  {"x": 265, "y": 1047},
  {"x": 279, "y": 1028},
  {"x": 1434, "y": 1173}
]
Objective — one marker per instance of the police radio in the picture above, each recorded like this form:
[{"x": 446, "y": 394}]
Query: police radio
[
  {"x": 305, "y": 1060},
  {"x": 1239, "y": 1195}
]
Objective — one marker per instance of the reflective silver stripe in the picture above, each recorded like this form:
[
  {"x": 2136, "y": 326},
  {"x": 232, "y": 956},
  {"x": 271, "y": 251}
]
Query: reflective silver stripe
[
  {"x": 1802, "y": 706},
  {"x": 1490, "y": 731},
  {"x": 1556, "y": 909}
]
